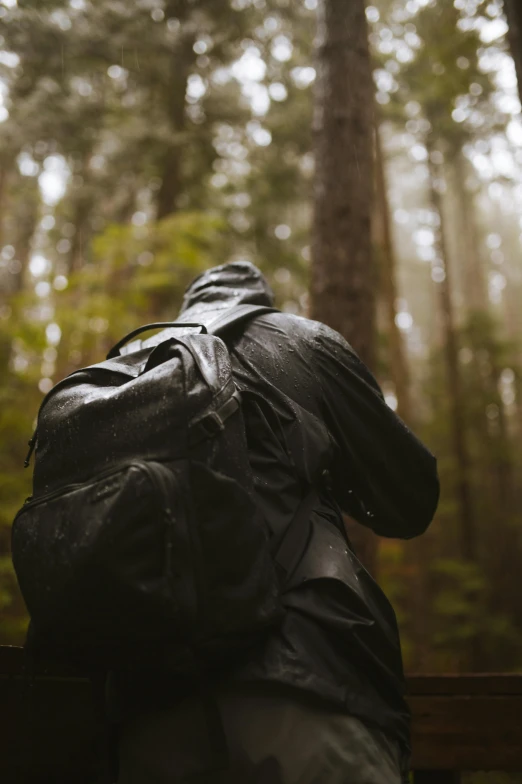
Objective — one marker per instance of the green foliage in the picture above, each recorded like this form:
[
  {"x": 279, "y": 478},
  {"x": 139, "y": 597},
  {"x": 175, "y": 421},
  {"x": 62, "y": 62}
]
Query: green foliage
[{"x": 440, "y": 88}]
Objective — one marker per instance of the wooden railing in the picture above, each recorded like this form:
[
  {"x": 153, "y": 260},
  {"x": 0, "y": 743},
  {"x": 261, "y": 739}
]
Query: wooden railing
[
  {"x": 464, "y": 723},
  {"x": 460, "y": 722}
]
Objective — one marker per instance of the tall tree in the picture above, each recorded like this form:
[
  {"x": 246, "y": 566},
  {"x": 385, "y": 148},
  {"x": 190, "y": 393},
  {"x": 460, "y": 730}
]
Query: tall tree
[
  {"x": 473, "y": 277},
  {"x": 26, "y": 216},
  {"x": 182, "y": 61},
  {"x": 468, "y": 544},
  {"x": 342, "y": 282},
  {"x": 513, "y": 11},
  {"x": 445, "y": 74},
  {"x": 398, "y": 363},
  {"x": 342, "y": 275}
]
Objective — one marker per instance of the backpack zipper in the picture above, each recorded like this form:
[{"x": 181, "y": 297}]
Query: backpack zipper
[{"x": 31, "y": 502}]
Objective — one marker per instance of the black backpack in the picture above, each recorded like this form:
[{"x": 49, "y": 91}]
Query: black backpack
[{"x": 143, "y": 533}]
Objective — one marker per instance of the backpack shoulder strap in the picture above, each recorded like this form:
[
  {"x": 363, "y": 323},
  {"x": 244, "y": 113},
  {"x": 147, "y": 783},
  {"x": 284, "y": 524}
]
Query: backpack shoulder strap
[
  {"x": 289, "y": 550},
  {"x": 235, "y": 316}
]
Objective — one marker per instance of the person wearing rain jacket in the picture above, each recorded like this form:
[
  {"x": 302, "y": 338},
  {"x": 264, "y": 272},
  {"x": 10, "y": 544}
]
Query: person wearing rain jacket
[{"x": 321, "y": 700}]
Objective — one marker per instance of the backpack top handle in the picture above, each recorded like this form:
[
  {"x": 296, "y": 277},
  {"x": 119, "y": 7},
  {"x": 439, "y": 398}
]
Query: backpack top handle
[
  {"x": 219, "y": 324},
  {"x": 115, "y": 350}
]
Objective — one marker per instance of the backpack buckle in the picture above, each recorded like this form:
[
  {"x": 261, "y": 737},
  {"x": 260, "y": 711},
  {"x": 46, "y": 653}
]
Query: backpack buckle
[{"x": 212, "y": 424}]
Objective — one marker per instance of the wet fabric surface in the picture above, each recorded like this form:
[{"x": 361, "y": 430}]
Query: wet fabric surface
[
  {"x": 271, "y": 739},
  {"x": 308, "y": 401}
]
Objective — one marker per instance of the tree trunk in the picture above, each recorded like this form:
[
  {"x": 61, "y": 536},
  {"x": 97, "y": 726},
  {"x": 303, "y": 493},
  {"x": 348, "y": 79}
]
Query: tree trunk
[
  {"x": 418, "y": 551},
  {"x": 388, "y": 288},
  {"x": 511, "y": 310},
  {"x": 182, "y": 61},
  {"x": 475, "y": 286},
  {"x": 26, "y": 219},
  {"x": 513, "y": 11},
  {"x": 82, "y": 211},
  {"x": 342, "y": 279},
  {"x": 3, "y": 183},
  {"x": 468, "y": 545},
  {"x": 342, "y": 286}
]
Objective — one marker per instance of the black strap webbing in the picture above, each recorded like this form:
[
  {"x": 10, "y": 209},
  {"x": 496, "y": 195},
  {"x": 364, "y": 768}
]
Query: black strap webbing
[
  {"x": 115, "y": 350},
  {"x": 235, "y": 316},
  {"x": 215, "y": 326}
]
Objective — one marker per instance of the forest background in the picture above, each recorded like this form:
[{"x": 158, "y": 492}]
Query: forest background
[{"x": 143, "y": 142}]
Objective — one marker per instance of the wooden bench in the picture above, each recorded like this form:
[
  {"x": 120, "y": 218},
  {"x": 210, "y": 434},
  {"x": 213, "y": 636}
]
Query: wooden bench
[{"x": 460, "y": 722}]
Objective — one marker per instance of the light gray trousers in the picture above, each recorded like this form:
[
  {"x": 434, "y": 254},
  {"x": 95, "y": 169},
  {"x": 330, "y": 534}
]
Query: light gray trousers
[{"x": 271, "y": 739}]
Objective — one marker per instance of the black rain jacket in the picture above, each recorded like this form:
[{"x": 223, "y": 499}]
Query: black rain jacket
[{"x": 309, "y": 401}]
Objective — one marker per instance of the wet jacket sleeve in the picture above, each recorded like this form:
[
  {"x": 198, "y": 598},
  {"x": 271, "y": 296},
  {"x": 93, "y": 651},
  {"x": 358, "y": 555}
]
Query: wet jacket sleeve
[{"x": 383, "y": 476}]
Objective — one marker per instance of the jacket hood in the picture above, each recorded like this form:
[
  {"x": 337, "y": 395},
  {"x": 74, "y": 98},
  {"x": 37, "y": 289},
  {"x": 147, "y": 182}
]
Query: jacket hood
[{"x": 225, "y": 287}]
